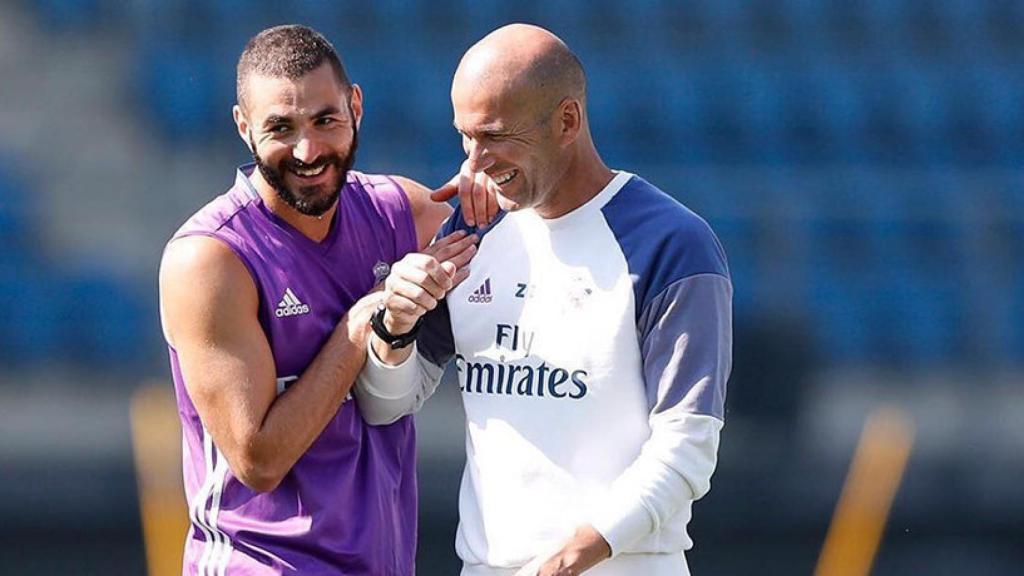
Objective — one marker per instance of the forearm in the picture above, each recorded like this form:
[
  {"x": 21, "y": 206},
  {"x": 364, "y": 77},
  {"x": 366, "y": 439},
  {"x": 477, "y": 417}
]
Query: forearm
[{"x": 298, "y": 416}]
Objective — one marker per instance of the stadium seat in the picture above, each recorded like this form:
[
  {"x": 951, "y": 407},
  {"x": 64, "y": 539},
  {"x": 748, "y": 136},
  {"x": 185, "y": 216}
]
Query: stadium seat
[
  {"x": 69, "y": 15},
  {"x": 102, "y": 321},
  {"x": 995, "y": 93},
  {"x": 31, "y": 326},
  {"x": 842, "y": 312},
  {"x": 923, "y": 320},
  {"x": 179, "y": 84}
]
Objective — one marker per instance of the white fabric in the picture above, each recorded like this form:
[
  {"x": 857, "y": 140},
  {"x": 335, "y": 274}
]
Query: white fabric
[
  {"x": 560, "y": 426},
  {"x": 385, "y": 393}
]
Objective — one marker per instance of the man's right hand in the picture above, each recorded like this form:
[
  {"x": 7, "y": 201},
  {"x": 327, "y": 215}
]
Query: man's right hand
[{"x": 419, "y": 280}]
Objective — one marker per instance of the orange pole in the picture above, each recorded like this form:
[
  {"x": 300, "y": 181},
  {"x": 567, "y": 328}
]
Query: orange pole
[
  {"x": 863, "y": 508},
  {"x": 156, "y": 442}
]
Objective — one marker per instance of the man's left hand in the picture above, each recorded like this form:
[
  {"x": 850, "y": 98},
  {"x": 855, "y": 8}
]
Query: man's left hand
[
  {"x": 582, "y": 552},
  {"x": 477, "y": 195}
]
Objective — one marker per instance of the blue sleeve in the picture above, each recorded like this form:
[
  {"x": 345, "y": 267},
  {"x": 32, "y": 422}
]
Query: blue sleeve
[
  {"x": 683, "y": 312},
  {"x": 686, "y": 346},
  {"x": 683, "y": 298}
]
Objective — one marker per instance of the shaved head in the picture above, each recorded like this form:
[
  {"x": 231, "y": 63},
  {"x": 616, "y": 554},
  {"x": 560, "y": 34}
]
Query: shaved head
[
  {"x": 526, "y": 62},
  {"x": 519, "y": 97}
]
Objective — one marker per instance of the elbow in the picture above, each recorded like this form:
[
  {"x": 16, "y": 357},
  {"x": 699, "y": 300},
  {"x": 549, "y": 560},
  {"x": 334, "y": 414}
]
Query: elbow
[
  {"x": 257, "y": 474},
  {"x": 261, "y": 483}
]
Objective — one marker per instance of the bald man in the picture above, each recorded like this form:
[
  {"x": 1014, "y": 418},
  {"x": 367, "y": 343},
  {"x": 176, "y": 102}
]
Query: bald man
[{"x": 592, "y": 339}]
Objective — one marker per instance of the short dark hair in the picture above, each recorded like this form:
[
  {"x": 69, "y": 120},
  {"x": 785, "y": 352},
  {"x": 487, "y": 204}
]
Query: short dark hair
[{"x": 289, "y": 51}]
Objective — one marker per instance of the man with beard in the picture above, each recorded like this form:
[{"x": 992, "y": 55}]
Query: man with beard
[{"x": 265, "y": 298}]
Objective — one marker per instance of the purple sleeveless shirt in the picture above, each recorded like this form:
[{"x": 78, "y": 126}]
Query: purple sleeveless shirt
[{"x": 348, "y": 506}]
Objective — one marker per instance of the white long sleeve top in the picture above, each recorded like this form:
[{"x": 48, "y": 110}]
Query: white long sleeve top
[{"x": 592, "y": 352}]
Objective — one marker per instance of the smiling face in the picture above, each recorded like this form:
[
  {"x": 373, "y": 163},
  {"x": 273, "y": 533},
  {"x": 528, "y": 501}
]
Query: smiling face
[
  {"x": 303, "y": 135},
  {"x": 512, "y": 139}
]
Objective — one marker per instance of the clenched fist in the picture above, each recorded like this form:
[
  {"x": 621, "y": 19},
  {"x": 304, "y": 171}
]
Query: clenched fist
[{"x": 419, "y": 280}]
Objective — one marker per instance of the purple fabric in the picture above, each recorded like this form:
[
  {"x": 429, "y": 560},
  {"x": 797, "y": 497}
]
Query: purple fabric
[{"x": 348, "y": 506}]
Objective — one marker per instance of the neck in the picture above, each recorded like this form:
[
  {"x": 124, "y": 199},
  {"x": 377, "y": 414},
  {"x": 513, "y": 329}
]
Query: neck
[
  {"x": 584, "y": 177},
  {"x": 315, "y": 228}
]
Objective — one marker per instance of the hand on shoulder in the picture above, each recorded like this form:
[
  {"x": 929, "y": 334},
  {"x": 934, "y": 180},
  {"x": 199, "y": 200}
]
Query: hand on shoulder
[{"x": 478, "y": 195}]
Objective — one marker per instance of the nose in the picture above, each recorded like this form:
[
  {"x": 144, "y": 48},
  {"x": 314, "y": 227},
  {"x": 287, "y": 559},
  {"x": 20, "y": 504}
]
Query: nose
[
  {"x": 478, "y": 156},
  {"x": 307, "y": 148}
]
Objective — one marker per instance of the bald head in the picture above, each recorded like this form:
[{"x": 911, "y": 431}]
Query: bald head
[{"x": 522, "y": 61}]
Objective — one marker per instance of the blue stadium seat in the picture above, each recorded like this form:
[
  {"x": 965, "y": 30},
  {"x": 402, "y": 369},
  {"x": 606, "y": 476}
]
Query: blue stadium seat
[
  {"x": 842, "y": 312},
  {"x": 392, "y": 129},
  {"x": 763, "y": 105},
  {"x": 102, "y": 321},
  {"x": 995, "y": 93},
  {"x": 920, "y": 114},
  {"x": 16, "y": 210},
  {"x": 725, "y": 131},
  {"x": 840, "y": 109},
  {"x": 923, "y": 320},
  {"x": 964, "y": 20},
  {"x": 886, "y": 136},
  {"x": 726, "y": 15},
  {"x": 627, "y": 127},
  {"x": 485, "y": 15},
  {"x": 1004, "y": 21},
  {"x": 69, "y": 15},
  {"x": 1007, "y": 223},
  {"x": 31, "y": 326},
  {"x": 1015, "y": 348},
  {"x": 179, "y": 84},
  {"x": 885, "y": 18},
  {"x": 806, "y": 19}
]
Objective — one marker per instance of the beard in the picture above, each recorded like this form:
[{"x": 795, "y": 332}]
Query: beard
[{"x": 308, "y": 200}]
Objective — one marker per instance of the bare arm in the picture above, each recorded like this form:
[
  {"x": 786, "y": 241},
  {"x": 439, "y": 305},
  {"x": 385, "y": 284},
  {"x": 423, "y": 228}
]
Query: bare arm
[{"x": 208, "y": 304}]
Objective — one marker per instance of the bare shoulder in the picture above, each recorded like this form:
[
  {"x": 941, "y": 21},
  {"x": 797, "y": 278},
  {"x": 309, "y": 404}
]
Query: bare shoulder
[
  {"x": 427, "y": 214},
  {"x": 202, "y": 279}
]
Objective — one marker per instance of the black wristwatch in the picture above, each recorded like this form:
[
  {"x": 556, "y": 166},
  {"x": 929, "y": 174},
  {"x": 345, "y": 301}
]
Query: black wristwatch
[{"x": 396, "y": 341}]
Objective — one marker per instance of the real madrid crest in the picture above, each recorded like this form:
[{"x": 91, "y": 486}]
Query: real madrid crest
[{"x": 380, "y": 271}]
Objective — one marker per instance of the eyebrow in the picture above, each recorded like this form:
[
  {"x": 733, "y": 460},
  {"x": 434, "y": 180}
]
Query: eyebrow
[
  {"x": 327, "y": 111},
  {"x": 278, "y": 119},
  {"x": 486, "y": 130}
]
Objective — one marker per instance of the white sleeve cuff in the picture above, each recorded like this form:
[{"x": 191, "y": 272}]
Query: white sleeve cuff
[
  {"x": 386, "y": 381},
  {"x": 674, "y": 466},
  {"x": 622, "y": 521}
]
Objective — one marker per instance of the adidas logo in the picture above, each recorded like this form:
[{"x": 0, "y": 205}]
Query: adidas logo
[
  {"x": 482, "y": 295},
  {"x": 290, "y": 305}
]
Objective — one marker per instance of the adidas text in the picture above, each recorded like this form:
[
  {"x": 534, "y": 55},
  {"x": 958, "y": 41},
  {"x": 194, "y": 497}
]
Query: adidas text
[{"x": 292, "y": 310}]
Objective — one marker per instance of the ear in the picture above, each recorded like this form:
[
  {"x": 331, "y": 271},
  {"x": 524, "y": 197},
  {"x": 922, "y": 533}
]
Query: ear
[
  {"x": 356, "y": 102},
  {"x": 241, "y": 123},
  {"x": 569, "y": 120}
]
